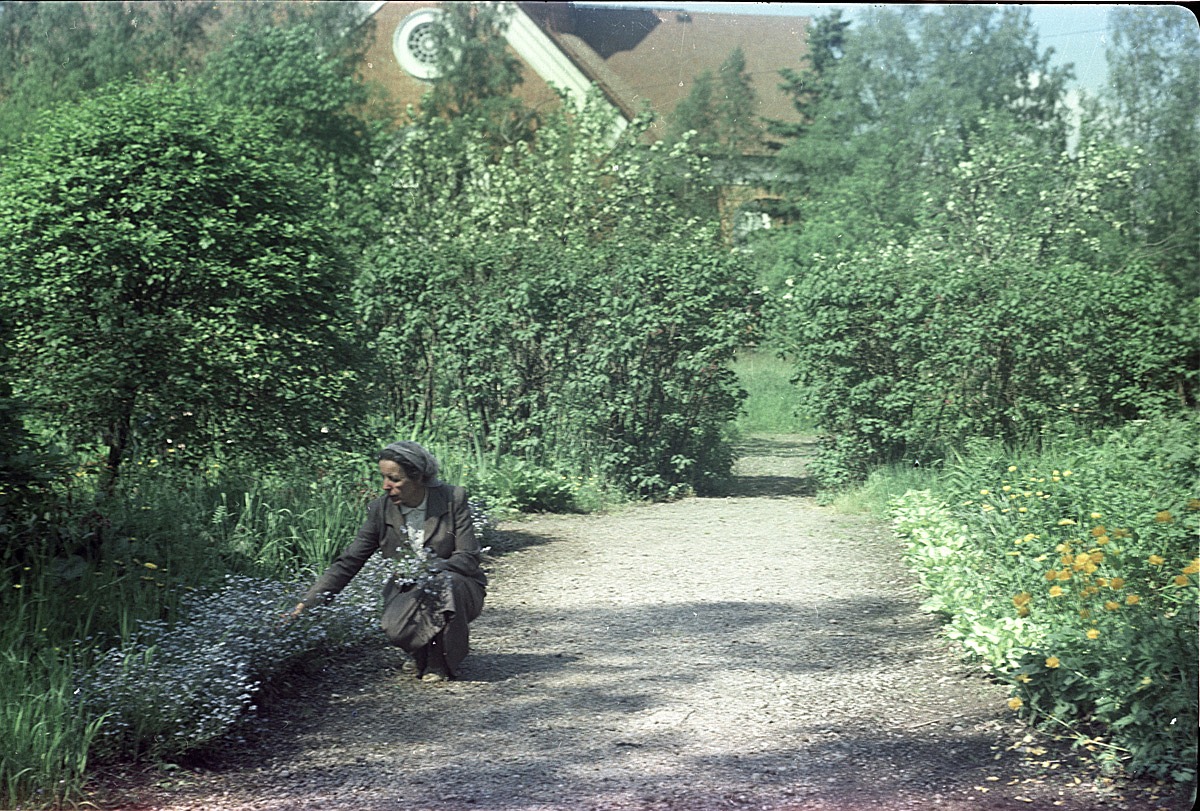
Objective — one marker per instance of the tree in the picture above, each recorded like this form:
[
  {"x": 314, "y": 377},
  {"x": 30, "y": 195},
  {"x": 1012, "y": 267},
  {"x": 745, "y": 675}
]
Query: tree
[
  {"x": 523, "y": 300},
  {"x": 1153, "y": 102},
  {"x": 735, "y": 105},
  {"x": 56, "y": 52},
  {"x": 298, "y": 69},
  {"x": 1018, "y": 301},
  {"x": 169, "y": 281},
  {"x": 720, "y": 110},
  {"x": 477, "y": 73},
  {"x": 882, "y": 122}
]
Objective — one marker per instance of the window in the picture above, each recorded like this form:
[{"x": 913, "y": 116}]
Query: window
[{"x": 416, "y": 41}]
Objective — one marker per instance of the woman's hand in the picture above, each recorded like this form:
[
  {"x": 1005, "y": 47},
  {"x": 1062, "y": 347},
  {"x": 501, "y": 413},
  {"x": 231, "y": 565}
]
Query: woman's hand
[{"x": 291, "y": 615}]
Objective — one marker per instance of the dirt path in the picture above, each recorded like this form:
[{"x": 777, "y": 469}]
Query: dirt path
[{"x": 749, "y": 651}]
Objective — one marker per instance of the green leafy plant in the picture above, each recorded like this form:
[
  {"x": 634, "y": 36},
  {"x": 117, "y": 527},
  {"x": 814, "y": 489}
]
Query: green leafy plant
[
  {"x": 1072, "y": 575},
  {"x": 170, "y": 285}
]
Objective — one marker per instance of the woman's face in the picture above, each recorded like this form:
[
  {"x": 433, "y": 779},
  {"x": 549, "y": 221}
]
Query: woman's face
[{"x": 399, "y": 488}]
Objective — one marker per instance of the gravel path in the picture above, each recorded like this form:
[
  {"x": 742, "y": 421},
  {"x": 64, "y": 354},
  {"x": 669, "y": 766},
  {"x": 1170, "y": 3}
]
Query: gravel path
[{"x": 749, "y": 651}]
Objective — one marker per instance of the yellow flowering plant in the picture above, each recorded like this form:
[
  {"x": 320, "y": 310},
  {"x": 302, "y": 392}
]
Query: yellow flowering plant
[{"x": 1079, "y": 598}]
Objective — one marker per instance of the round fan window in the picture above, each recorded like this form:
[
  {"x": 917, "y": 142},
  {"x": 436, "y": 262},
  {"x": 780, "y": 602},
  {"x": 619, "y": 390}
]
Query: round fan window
[{"x": 415, "y": 43}]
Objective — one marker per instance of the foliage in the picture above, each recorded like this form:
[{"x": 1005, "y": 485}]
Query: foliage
[
  {"x": 1072, "y": 574},
  {"x": 523, "y": 302},
  {"x": 720, "y": 111},
  {"x": 170, "y": 689},
  {"x": 1153, "y": 101},
  {"x": 977, "y": 326},
  {"x": 297, "y": 67},
  {"x": 477, "y": 73},
  {"x": 170, "y": 284},
  {"x": 886, "y": 108},
  {"x": 44, "y": 740},
  {"x": 52, "y": 53}
]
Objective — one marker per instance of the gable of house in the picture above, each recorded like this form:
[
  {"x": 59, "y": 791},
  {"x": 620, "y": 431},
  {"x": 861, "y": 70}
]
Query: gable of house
[{"x": 637, "y": 57}]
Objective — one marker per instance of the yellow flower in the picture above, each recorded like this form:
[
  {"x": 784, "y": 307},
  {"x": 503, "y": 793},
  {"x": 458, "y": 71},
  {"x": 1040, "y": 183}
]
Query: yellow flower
[
  {"x": 1056, "y": 591},
  {"x": 1111, "y": 606},
  {"x": 1163, "y": 517},
  {"x": 1015, "y": 703},
  {"x": 984, "y": 492},
  {"x": 1029, "y": 537},
  {"x": 1052, "y": 574},
  {"x": 1095, "y": 516},
  {"x": 1116, "y": 583},
  {"x": 1099, "y": 530},
  {"x": 1021, "y": 599},
  {"x": 1024, "y": 678},
  {"x": 1063, "y": 575},
  {"x": 1052, "y": 662},
  {"x": 1023, "y": 611},
  {"x": 1081, "y": 560},
  {"x": 1066, "y": 522},
  {"x": 1063, "y": 547},
  {"x": 1066, "y": 473},
  {"x": 1193, "y": 567},
  {"x": 1156, "y": 560},
  {"x": 1102, "y": 540},
  {"x": 1132, "y": 599},
  {"x": 1006, "y": 488},
  {"x": 1193, "y": 504},
  {"x": 1146, "y": 680},
  {"x": 1022, "y": 509},
  {"x": 1181, "y": 580},
  {"x": 1093, "y": 634},
  {"x": 150, "y": 565},
  {"x": 1053, "y": 472},
  {"x": 987, "y": 508},
  {"x": 1096, "y": 556}
]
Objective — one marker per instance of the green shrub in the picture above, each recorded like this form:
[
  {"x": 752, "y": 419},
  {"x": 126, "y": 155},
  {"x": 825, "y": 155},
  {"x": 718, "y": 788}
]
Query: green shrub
[
  {"x": 1021, "y": 300},
  {"x": 526, "y": 305}
]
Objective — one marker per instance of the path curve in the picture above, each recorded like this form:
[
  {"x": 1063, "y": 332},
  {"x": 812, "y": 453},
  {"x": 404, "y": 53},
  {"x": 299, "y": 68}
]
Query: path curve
[{"x": 754, "y": 650}]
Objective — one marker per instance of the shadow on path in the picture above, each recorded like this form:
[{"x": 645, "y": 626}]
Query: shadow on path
[{"x": 770, "y": 466}]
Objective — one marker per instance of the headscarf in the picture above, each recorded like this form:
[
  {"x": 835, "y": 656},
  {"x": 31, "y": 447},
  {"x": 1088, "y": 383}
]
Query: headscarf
[{"x": 418, "y": 457}]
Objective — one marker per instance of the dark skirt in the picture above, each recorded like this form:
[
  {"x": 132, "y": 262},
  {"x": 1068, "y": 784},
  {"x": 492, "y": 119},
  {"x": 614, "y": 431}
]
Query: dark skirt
[{"x": 433, "y": 628}]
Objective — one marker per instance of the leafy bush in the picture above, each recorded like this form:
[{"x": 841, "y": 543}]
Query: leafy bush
[
  {"x": 526, "y": 305},
  {"x": 1073, "y": 576},
  {"x": 169, "y": 281},
  {"x": 171, "y": 689},
  {"x": 1020, "y": 300}
]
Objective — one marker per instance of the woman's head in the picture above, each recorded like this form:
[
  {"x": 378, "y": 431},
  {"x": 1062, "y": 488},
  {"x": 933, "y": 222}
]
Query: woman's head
[{"x": 417, "y": 463}]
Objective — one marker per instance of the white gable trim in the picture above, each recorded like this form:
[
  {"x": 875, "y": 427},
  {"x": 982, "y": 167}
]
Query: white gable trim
[{"x": 548, "y": 61}]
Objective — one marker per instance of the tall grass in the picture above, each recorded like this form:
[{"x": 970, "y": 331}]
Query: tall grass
[{"x": 772, "y": 405}]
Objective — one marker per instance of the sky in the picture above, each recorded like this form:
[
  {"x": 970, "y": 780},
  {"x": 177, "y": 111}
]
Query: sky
[{"x": 1077, "y": 32}]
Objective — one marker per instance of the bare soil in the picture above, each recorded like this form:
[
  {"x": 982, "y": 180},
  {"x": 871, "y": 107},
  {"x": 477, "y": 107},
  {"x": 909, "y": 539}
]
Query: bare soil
[{"x": 750, "y": 651}]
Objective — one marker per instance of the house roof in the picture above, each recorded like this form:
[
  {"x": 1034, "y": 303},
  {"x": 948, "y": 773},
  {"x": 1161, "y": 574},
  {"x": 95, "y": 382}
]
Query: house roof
[{"x": 651, "y": 57}]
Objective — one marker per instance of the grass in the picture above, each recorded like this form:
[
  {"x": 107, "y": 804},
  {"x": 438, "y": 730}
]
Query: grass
[{"x": 772, "y": 406}]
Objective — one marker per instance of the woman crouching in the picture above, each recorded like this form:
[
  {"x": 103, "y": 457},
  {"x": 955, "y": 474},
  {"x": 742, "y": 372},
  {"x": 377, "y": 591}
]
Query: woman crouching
[{"x": 417, "y": 514}]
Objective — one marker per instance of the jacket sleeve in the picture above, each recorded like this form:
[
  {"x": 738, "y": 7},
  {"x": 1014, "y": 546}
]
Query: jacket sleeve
[
  {"x": 466, "y": 557},
  {"x": 352, "y": 559}
]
